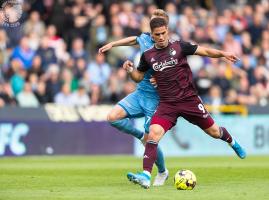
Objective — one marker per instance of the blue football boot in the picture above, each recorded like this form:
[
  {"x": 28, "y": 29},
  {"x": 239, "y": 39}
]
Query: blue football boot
[
  {"x": 140, "y": 178},
  {"x": 239, "y": 150}
]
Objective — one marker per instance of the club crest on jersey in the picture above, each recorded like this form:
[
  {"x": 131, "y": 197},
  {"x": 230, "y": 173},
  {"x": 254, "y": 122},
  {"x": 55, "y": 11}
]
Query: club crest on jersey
[
  {"x": 172, "y": 52},
  {"x": 160, "y": 66},
  {"x": 152, "y": 60}
]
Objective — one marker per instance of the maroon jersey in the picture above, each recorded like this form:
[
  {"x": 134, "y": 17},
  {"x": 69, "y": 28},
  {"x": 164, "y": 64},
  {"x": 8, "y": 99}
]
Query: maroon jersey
[{"x": 171, "y": 70}]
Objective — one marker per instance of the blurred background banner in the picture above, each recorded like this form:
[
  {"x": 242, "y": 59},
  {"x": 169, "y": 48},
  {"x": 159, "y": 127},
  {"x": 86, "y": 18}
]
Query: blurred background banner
[
  {"x": 32, "y": 132},
  {"x": 188, "y": 140},
  {"x": 59, "y": 130}
]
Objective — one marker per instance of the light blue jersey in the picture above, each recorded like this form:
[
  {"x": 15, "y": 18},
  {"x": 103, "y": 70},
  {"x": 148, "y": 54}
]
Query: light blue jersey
[
  {"x": 145, "y": 42},
  {"x": 143, "y": 101}
]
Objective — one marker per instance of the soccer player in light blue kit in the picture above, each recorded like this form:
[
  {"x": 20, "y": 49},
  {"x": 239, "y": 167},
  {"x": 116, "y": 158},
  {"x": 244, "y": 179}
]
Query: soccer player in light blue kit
[{"x": 142, "y": 102}]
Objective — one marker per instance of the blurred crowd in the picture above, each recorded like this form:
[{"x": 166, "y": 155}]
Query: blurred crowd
[{"x": 52, "y": 55}]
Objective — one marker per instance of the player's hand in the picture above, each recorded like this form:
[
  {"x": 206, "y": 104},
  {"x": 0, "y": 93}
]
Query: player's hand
[
  {"x": 105, "y": 48},
  {"x": 153, "y": 82},
  {"x": 231, "y": 57},
  {"x": 128, "y": 66}
]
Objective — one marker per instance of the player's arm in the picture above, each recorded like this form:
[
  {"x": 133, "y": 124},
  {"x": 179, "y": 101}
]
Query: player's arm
[
  {"x": 135, "y": 74},
  {"x": 129, "y": 41},
  {"x": 215, "y": 53},
  {"x": 194, "y": 49}
]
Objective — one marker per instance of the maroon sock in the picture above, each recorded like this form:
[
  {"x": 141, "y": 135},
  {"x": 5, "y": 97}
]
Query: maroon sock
[
  {"x": 225, "y": 135},
  {"x": 150, "y": 155}
]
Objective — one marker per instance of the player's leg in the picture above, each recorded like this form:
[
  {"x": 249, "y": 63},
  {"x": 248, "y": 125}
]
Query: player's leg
[
  {"x": 159, "y": 125},
  {"x": 222, "y": 133},
  {"x": 163, "y": 172},
  {"x": 150, "y": 105},
  {"x": 117, "y": 117},
  {"x": 195, "y": 112},
  {"x": 150, "y": 156}
]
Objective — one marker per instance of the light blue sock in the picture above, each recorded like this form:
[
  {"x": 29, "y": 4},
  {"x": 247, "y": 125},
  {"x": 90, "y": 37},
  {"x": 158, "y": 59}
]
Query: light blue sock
[
  {"x": 126, "y": 126},
  {"x": 160, "y": 160}
]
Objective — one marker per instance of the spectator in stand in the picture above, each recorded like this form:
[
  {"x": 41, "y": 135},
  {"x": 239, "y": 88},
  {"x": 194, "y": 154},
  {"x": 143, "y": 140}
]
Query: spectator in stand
[
  {"x": 248, "y": 68},
  {"x": 64, "y": 97},
  {"x": 171, "y": 10},
  {"x": 17, "y": 80},
  {"x": 215, "y": 96},
  {"x": 67, "y": 78},
  {"x": 57, "y": 43},
  {"x": 6, "y": 95},
  {"x": 40, "y": 92},
  {"x": 221, "y": 79},
  {"x": 261, "y": 84},
  {"x": 26, "y": 98},
  {"x": 231, "y": 97},
  {"x": 222, "y": 28},
  {"x": 80, "y": 68},
  {"x": 36, "y": 66},
  {"x": 231, "y": 45},
  {"x": 99, "y": 32},
  {"x": 132, "y": 27},
  {"x": 53, "y": 83},
  {"x": 32, "y": 79},
  {"x": 116, "y": 84},
  {"x": 246, "y": 42},
  {"x": 202, "y": 83},
  {"x": 46, "y": 53},
  {"x": 78, "y": 50},
  {"x": 245, "y": 97},
  {"x": 34, "y": 25},
  {"x": 98, "y": 70},
  {"x": 24, "y": 53},
  {"x": 80, "y": 97},
  {"x": 256, "y": 28}
]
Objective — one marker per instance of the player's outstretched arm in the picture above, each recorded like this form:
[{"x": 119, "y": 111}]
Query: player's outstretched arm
[
  {"x": 136, "y": 75},
  {"x": 215, "y": 53},
  {"x": 129, "y": 41}
]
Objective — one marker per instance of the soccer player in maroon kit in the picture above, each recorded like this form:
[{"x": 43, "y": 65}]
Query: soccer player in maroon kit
[{"x": 178, "y": 96}]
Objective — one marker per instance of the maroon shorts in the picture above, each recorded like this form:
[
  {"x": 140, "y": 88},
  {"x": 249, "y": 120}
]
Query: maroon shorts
[{"x": 191, "y": 109}]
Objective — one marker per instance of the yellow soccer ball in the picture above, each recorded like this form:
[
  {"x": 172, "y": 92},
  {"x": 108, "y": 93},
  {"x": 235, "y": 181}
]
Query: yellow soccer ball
[{"x": 184, "y": 180}]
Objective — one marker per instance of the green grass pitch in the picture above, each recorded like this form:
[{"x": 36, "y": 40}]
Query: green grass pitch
[{"x": 104, "y": 177}]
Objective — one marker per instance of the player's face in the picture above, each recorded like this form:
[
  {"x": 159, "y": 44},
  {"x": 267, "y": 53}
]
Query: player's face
[{"x": 160, "y": 36}]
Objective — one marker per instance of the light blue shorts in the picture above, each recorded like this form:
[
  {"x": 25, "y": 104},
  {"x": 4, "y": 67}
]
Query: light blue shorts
[{"x": 137, "y": 104}]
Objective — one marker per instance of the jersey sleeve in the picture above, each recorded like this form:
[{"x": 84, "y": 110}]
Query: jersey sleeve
[
  {"x": 138, "y": 38},
  {"x": 143, "y": 65},
  {"x": 188, "y": 48}
]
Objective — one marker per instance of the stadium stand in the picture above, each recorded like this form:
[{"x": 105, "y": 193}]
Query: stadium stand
[{"x": 52, "y": 52}]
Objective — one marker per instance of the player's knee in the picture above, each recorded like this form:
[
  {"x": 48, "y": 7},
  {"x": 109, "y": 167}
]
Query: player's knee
[
  {"x": 111, "y": 117},
  {"x": 155, "y": 133}
]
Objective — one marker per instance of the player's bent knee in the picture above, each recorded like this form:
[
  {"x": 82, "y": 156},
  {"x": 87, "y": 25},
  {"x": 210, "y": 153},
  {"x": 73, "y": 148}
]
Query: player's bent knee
[
  {"x": 116, "y": 113},
  {"x": 156, "y": 132},
  {"x": 111, "y": 117}
]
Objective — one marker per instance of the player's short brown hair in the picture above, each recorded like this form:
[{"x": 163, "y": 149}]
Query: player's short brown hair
[
  {"x": 157, "y": 22},
  {"x": 161, "y": 14}
]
